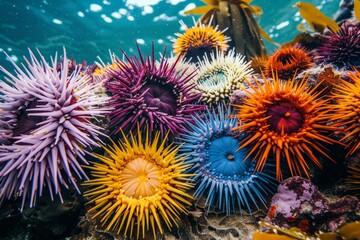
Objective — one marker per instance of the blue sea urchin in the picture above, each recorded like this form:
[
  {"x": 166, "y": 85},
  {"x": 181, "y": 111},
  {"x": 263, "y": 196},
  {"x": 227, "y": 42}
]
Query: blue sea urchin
[
  {"x": 342, "y": 48},
  {"x": 148, "y": 93},
  {"x": 48, "y": 123},
  {"x": 139, "y": 185},
  {"x": 220, "y": 75},
  {"x": 221, "y": 175}
]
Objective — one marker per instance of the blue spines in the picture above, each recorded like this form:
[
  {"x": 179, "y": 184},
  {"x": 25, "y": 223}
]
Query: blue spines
[{"x": 222, "y": 177}]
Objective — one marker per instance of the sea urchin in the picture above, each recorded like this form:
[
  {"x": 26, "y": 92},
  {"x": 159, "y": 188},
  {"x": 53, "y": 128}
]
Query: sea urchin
[
  {"x": 347, "y": 110},
  {"x": 288, "y": 61},
  {"x": 48, "y": 115},
  {"x": 342, "y": 48},
  {"x": 221, "y": 176},
  {"x": 199, "y": 40},
  {"x": 139, "y": 184},
  {"x": 287, "y": 119},
  {"x": 145, "y": 92},
  {"x": 220, "y": 75}
]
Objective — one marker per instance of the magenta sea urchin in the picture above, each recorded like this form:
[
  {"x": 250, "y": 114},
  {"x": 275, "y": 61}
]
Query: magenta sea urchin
[
  {"x": 48, "y": 127},
  {"x": 342, "y": 48},
  {"x": 148, "y": 93}
]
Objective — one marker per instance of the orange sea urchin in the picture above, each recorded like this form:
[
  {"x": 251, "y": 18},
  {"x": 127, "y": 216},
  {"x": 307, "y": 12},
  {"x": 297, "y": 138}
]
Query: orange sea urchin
[
  {"x": 138, "y": 185},
  {"x": 286, "y": 119},
  {"x": 347, "y": 105},
  {"x": 199, "y": 40},
  {"x": 288, "y": 61}
]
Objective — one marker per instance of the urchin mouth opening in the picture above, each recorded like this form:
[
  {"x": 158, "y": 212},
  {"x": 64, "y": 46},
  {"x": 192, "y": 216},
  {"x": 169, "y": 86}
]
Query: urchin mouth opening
[
  {"x": 286, "y": 58},
  {"x": 26, "y": 123},
  {"x": 284, "y": 117},
  {"x": 160, "y": 96},
  {"x": 230, "y": 156},
  {"x": 140, "y": 178},
  {"x": 199, "y": 50},
  {"x": 213, "y": 81}
]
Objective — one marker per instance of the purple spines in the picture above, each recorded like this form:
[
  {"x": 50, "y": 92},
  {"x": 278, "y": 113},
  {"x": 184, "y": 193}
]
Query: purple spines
[
  {"x": 151, "y": 94},
  {"x": 48, "y": 124}
]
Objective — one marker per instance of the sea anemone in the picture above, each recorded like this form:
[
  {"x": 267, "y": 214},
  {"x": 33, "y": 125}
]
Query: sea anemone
[
  {"x": 48, "y": 125},
  {"x": 147, "y": 93},
  {"x": 220, "y": 75},
  {"x": 199, "y": 40},
  {"x": 342, "y": 48},
  {"x": 288, "y": 61},
  {"x": 139, "y": 185},
  {"x": 286, "y": 119},
  {"x": 220, "y": 173},
  {"x": 347, "y": 110}
]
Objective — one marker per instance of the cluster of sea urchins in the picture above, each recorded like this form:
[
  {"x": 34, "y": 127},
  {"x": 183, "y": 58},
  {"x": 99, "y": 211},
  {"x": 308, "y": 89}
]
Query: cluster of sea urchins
[
  {"x": 46, "y": 128},
  {"x": 147, "y": 93}
]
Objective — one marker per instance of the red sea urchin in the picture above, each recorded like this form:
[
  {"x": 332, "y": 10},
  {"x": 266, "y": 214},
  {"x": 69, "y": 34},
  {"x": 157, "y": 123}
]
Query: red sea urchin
[
  {"x": 287, "y": 61},
  {"x": 342, "y": 48},
  {"x": 48, "y": 115},
  {"x": 148, "y": 93},
  {"x": 286, "y": 119}
]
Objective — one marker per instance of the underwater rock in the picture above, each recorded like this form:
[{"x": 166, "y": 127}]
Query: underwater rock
[{"x": 299, "y": 203}]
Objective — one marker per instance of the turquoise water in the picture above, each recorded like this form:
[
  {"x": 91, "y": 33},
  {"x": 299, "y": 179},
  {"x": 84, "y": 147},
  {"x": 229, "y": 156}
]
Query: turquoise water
[{"x": 90, "y": 28}]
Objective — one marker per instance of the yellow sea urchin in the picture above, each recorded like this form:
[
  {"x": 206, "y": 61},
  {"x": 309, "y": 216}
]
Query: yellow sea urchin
[
  {"x": 286, "y": 119},
  {"x": 199, "y": 40},
  {"x": 220, "y": 75},
  {"x": 138, "y": 185}
]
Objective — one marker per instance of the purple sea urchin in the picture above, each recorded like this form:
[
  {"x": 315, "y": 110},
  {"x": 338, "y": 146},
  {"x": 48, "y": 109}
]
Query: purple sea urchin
[
  {"x": 221, "y": 175},
  {"x": 48, "y": 117},
  {"x": 148, "y": 93},
  {"x": 342, "y": 48}
]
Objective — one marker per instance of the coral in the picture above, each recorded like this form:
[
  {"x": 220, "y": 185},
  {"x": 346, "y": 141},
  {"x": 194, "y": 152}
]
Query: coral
[
  {"x": 48, "y": 115},
  {"x": 146, "y": 93},
  {"x": 220, "y": 75},
  {"x": 346, "y": 114},
  {"x": 140, "y": 184},
  {"x": 284, "y": 119},
  {"x": 299, "y": 203},
  {"x": 342, "y": 48},
  {"x": 221, "y": 176},
  {"x": 199, "y": 41},
  {"x": 288, "y": 61}
]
